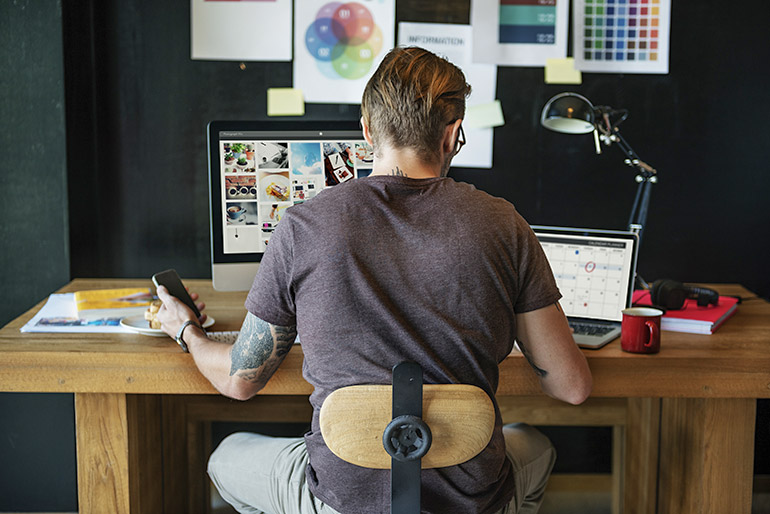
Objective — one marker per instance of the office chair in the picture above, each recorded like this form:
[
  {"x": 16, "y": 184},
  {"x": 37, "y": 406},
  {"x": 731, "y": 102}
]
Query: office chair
[{"x": 430, "y": 426}]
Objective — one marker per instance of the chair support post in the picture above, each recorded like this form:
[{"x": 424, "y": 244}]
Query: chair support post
[{"x": 405, "y": 482}]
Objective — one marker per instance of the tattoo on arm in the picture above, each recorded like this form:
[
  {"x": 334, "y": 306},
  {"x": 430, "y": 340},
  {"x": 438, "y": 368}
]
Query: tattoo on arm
[
  {"x": 397, "y": 172},
  {"x": 540, "y": 372},
  {"x": 260, "y": 348}
]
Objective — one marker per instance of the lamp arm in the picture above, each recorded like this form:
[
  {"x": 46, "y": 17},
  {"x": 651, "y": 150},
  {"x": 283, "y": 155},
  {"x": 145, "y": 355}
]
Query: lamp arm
[
  {"x": 632, "y": 159},
  {"x": 647, "y": 175}
]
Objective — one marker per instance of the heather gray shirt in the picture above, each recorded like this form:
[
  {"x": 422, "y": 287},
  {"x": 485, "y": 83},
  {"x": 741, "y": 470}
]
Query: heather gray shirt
[{"x": 380, "y": 270}]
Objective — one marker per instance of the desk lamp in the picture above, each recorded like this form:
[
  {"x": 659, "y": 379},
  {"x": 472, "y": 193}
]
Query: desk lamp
[{"x": 571, "y": 113}]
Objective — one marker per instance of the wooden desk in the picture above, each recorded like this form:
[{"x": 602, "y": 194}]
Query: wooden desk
[{"x": 699, "y": 390}]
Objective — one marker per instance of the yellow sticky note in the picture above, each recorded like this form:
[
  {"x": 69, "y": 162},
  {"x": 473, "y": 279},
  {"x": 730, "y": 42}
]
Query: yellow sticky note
[
  {"x": 562, "y": 71},
  {"x": 484, "y": 115},
  {"x": 285, "y": 101}
]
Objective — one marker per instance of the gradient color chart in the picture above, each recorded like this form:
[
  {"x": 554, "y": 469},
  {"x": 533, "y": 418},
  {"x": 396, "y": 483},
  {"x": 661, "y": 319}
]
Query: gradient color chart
[
  {"x": 629, "y": 36},
  {"x": 528, "y": 21}
]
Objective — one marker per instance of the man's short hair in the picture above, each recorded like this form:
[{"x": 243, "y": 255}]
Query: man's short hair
[{"x": 411, "y": 98}]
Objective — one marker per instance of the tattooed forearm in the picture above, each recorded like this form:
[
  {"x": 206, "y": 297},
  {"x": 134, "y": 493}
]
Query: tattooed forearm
[
  {"x": 397, "y": 171},
  {"x": 260, "y": 343},
  {"x": 538, "y": 371}
]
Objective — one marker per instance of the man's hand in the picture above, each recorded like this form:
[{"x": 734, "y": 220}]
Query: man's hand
[{"x": 173, "y": 313}]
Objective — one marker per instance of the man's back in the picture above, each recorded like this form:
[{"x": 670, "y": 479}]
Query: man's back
[{"x": 386, "y": 269}]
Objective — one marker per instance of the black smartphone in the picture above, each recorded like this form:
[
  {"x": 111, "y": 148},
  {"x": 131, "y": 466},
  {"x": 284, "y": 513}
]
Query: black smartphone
[{"x": 170, "y": 279}]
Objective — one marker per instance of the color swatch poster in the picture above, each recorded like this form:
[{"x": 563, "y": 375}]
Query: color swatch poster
[
  {"x": 622, "y": 36},
  {"x": 519, "y": 32},
  {"x": 338, "y": 46},
  {"x": 240, "y": 31}
]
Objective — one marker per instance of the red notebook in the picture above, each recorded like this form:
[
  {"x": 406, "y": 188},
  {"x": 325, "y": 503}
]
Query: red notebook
[{"x": 692, "y": 318}]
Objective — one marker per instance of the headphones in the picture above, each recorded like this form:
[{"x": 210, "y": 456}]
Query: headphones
[{"x": 671, "y": 294}]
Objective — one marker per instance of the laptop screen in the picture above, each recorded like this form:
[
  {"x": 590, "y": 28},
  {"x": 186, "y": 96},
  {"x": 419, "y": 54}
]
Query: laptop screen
[{"x": 594, "y": 269}]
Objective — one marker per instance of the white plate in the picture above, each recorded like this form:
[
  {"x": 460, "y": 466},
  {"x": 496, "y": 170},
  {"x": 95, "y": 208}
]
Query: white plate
[{"x": 142, "y": 326}]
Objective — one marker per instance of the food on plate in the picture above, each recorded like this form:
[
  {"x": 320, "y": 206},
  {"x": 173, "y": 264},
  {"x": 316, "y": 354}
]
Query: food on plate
[{"x": 151, "y": 314}]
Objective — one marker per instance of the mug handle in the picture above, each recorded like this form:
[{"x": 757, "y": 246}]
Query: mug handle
[{"x": 653, "y": 333}]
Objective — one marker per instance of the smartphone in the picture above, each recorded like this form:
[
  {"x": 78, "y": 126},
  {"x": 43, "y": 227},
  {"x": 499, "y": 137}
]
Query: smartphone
[{"x": 170, "y": 279}]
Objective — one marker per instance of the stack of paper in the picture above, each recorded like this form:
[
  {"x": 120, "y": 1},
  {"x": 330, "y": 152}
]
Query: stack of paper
[{"x": 89, "y": 311}]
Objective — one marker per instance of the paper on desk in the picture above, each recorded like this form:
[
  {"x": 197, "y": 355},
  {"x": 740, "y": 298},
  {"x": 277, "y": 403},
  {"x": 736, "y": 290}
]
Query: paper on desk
[{"x": 60, "y": 314}]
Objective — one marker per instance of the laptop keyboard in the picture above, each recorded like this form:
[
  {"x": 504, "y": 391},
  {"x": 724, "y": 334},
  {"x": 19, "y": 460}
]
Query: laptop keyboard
[{"x": 590, "y": 329}]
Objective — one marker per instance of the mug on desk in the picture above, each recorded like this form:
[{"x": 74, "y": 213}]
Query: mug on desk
[{"x": 640, "y": 330}]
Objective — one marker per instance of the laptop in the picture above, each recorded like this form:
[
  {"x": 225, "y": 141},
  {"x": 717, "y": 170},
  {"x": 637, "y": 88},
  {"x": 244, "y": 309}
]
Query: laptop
[{"x": 595, "y": 271}]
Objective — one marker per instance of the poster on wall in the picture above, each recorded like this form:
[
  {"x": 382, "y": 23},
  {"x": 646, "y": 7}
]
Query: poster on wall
[
  {"x": 454, "y": 42},
  {"x": 338, "y": 45},
  {"x": 519, "y": 32},
  {"x": 622, "y": 36},
  {"x": 240, "y": 30}
]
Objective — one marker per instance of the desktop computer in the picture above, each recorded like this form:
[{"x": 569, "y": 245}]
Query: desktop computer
[{"x": 258, "y": 169}]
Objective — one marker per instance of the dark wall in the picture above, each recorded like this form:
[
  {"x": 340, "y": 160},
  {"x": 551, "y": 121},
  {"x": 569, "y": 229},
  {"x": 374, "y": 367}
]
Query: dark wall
[
  {"x": 37, "y": 441},
  {"x": 143, "y": 170},
  {"x": 136, "y": 111},
  {"x": 33, "y": 180}
]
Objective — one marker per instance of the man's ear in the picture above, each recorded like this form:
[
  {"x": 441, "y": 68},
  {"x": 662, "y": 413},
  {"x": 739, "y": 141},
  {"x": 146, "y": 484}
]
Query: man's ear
[
  {"x": 451, "y": 133},
  {"x": 367, "y": 134}
]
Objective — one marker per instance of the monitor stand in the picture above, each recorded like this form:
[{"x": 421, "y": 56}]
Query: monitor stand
[{"x": 234, "y": 276}]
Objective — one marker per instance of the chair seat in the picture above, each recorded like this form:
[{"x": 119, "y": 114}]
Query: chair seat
[{"x": 461, "y": 418}]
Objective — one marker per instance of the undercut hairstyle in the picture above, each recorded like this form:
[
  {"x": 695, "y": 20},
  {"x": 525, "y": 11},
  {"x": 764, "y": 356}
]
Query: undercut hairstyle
[{"x": 411, "y": 98}]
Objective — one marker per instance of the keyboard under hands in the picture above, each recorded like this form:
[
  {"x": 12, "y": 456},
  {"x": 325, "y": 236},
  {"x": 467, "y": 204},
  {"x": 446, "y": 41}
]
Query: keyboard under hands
[{"x": 591, "y": 329}]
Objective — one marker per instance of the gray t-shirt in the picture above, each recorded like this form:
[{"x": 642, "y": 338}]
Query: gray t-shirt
[{"x": 380, "y": 270}]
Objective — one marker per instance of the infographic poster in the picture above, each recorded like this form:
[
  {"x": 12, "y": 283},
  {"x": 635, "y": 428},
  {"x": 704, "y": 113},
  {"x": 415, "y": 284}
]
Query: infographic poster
[
  {"x": 338, "y": 46},
  {"x": 519, "y": 32},
  {"x": 622, "y": 36}
]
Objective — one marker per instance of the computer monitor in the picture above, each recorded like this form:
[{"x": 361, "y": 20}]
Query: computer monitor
[{"x": 258, "y": 169}]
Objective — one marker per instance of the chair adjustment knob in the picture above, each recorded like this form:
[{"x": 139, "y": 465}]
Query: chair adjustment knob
[{"x": 407, "y": 438}]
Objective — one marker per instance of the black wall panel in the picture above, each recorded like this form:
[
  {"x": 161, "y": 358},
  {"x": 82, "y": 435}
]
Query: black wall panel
[{"x": 37, "y": 443}]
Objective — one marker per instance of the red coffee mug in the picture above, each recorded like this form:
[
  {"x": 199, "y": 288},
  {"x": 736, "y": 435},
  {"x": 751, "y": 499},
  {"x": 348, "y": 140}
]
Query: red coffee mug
[{"x": 640, "y": 330}]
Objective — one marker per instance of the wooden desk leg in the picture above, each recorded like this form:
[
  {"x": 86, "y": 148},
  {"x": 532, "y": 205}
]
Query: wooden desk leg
[
  {"x": 118, "y": 453},
  {"x": 640, "y": 456},
  {"x": 706, "y": 455}
]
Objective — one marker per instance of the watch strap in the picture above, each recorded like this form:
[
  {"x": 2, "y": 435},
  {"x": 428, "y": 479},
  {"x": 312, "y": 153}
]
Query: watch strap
[{"x": 179, "y": 339}]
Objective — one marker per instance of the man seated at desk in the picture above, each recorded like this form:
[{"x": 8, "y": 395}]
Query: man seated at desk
[{"x": 406, "y": 264}]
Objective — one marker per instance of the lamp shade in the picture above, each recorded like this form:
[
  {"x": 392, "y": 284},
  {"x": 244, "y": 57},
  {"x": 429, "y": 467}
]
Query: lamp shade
[{"x": 569, "y": 113}]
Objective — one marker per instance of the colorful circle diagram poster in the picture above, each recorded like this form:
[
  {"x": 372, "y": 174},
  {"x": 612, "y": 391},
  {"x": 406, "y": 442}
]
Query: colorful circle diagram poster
[{"x": 338, "y": 45}]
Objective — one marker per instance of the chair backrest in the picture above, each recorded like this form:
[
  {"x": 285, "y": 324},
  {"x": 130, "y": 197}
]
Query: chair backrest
[
  {"x": 407, "y": 427},
  {"x": 461, "y": 419}
]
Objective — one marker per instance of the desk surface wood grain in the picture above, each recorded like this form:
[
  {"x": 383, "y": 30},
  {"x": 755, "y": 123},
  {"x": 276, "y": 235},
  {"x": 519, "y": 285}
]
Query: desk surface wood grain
[{"x": 732, "y": 363}]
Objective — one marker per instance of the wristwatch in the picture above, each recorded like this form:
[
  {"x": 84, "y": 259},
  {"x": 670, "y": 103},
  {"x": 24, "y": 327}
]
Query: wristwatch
[{"x": 179, "y": 334}]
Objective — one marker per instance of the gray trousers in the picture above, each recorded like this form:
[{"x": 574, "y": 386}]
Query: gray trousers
[{"x": 260, "y": 474}]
